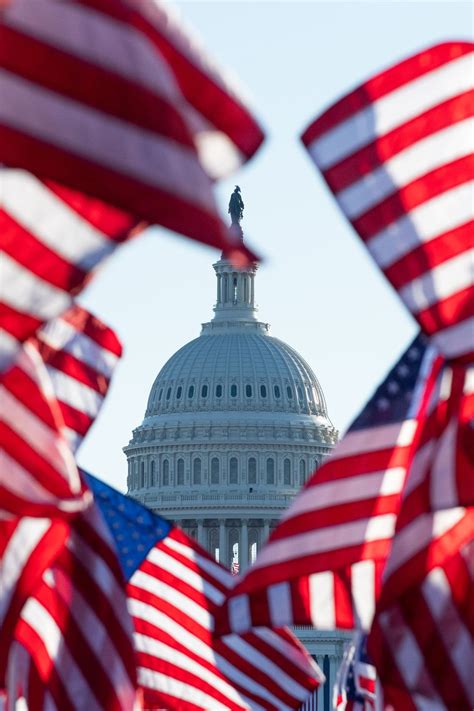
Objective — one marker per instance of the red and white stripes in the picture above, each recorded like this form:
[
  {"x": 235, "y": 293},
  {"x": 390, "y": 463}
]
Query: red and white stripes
[
  {"x": 38, "y": 476},
  {"x": 116, "y": 139},
  {"x": 80, "y": 354},
  {"x": 76, "y": 630},
  {"x": 50, "y": 397},
  {"x": 398, "y": 154},
  {"x": 172, "y": 598}
]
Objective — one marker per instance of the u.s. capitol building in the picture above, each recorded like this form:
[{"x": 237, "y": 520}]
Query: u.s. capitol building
[{"x": 236, "y": 421}]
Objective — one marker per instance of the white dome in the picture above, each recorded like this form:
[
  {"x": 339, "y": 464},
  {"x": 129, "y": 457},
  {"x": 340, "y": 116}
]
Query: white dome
[
  {"x": 236, "y": 421},
  {"x": 236, "y": 371}
]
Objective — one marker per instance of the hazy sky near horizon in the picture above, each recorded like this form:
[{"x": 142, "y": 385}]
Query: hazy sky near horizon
[{"x": 317, "y": 286}]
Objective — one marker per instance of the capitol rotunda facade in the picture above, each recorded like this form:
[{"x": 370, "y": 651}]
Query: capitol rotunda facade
[{"x": 236, "y": 421}]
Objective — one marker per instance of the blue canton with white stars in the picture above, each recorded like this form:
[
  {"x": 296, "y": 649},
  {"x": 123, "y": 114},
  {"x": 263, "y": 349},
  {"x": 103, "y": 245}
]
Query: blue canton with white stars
[
  {"x": 392, "y": 399},
  {"x": 135, "y": 529}
]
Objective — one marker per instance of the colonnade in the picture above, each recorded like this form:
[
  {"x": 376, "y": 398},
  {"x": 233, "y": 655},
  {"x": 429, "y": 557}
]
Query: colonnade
[{"x": 229, "y": 540}]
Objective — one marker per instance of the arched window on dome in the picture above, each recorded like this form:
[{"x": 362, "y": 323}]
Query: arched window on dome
[
  {"x": 233, "y": 390},
  {"x": 248, "y": 390},
  {"x": 289, "y": 392},
  {"x": 204, "y": 390},
  {"x": 276, "y": 391},
  {"x": 197, "y": 471},
  {"x": 252, "y": 473},
  {"x": 233, "y": 471},
  {"x": 160, "y": 395},
  {"x": 179, "y": 392},
  {"x": 226, "y": 288},
  {"x": 214, "y": 470},
  {"x": 263, "y": 391},
  {"x": 219, "y": 390},
  {"x": 300, "y": 393},
  {"x": 270, "y": 471},
  {"x": 168, "y": 393},
  {"x": 191, "y": 391},
  {"x": 287, "y": 472},
  {"x": 142, "y": 474},
  {"x": 180, "y": 472},
  {"x": 152, "y": 472},
  {"x": 166, "y": 472},
  {"x": 302, "y": 471}
]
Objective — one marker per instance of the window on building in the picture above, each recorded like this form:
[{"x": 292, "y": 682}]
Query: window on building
[
  {"x": 218, "y": 390},
  {"x": 191, "y": 391},
  {"x": 180, "y": 472},
  {"x": 233, "y": 390},
  {"x": 168, "y": 393},
  {"x": 166, "y": 473},
  {"x": 263, "y": 390},
  {"x": 270, "y": 471},
  {"x": 233, "y": 471},
  {"x": 248, "y": 390},
  {"x": 204, "y": 390},
  {"x": 152, "y": 472},
  {"x": 179, "y": 392},
  {"x": 214, "y": 470},
  {"x": 300, "y": 393},
  {"x": 252, "y": 470},
  {"x": 302, "y": 471},
  {"x": 287, "y": 472},
  {"x": 142, "y": 474},
  {"x": 197, "y": 471},
  {"x": 160, "y": 395},
  {"x": 276, "y": 391},
  {"x": 289, "y": 392}
]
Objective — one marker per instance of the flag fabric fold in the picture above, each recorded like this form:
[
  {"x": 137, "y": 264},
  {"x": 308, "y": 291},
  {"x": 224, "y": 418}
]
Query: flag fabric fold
[
  {"x": 173, "y": 589},
  {"x": 80, "y": 353},
  {"x": 49, "y": 399},
  {"x": 398, "y": 154}
]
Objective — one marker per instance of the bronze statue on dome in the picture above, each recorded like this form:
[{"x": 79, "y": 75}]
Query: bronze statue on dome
[{"x": 236, "y": 207}]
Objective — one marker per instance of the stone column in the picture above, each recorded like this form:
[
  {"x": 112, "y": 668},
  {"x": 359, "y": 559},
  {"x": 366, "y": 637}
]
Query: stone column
[
  {"x": 320, "y": 697},
  {"x": 200, "y": 526},
  {"x": 244, "y": 542},
  {"x": 222, "y": 546},
  {"x": 332, "y": 673},
  {"x": 266, "y": 531}
]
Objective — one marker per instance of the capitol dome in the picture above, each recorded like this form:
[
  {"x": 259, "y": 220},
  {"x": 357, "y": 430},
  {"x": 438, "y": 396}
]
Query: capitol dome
[
  {"x": 237, "y": 370},
  {"x": 235, "y": 423}
]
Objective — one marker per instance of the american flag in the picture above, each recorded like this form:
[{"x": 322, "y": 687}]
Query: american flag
[
  {"x": 173, "y": 588},
  {"x": 49, "y": 399},
  {"x": 99, "y": 141},
  {"x": 74, "y": 634},
  {"x": 397, "y": 152},
  {"x": 322, "y": 565},
  {"x": 422, "y": 640},
  {"x": 355, "y": 688},
  {"x": 235, "y": 568},
  {"x": 53, "y": 570}
]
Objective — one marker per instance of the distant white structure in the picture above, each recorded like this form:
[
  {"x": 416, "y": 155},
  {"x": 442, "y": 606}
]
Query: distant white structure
[{"x": 236, "y": 421}]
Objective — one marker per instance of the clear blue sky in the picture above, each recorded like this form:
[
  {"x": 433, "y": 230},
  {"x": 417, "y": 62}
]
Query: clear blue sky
[{"x": 317, "y": 287}]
